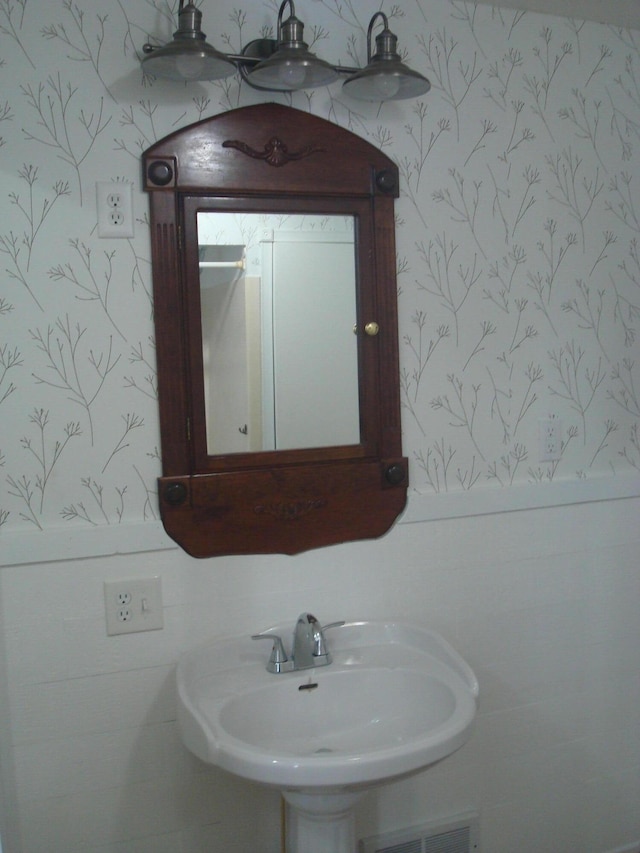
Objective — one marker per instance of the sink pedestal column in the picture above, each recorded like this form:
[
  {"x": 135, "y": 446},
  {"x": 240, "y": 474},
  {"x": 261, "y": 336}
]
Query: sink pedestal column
[{"x": 322, "y": 822}]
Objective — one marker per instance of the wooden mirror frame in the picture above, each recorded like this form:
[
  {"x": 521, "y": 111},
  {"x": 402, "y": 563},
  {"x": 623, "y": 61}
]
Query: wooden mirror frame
[{"x": 260, "y": 158}]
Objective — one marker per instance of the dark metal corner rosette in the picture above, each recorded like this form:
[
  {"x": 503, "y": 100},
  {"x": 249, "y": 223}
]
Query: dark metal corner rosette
[
  {"x": 386, "y": 181},
  {"x": 161, "y": 172},
  {"x": 275, "y": 152},
  {"x": 395, "y": 474},
  {"x": 175, "y": 494}
]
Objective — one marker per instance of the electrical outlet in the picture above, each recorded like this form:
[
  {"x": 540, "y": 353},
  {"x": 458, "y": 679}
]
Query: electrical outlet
[
  {"x": 549, "y": 439},
  {"x": 133, "y": 605},
  {"x": 115, "y": 209}
]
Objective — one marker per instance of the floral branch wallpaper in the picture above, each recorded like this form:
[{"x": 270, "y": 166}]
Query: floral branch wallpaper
[{"x": 518, "y": 236}]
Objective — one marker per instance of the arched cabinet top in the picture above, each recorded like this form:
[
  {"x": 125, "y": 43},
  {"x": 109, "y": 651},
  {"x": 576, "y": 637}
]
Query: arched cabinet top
[{"x": 230, "y": 152}]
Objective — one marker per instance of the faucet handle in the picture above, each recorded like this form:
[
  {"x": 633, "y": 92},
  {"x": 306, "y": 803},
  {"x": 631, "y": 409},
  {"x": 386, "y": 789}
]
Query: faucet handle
[
  {"x": 320, "y": 648},
  {"x": 278, "y": 657}
]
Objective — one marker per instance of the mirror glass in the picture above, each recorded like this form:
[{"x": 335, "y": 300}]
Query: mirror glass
[{"x": 278, "y": 312}]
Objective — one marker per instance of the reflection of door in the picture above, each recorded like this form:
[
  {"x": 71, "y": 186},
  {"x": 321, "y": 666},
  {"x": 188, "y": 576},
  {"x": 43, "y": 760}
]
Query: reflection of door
[
  {"x": 315, "y": 375},
  {"x": 231, "y": 342},
  {"x": 222, "y": 307}
]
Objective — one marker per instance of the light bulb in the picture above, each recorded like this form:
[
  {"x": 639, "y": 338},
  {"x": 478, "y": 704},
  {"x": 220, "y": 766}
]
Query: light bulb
[
  {"x": 386, "y": 85},
  {"x": 190, "y": 65},
  {"x": 292, "y": 76}
]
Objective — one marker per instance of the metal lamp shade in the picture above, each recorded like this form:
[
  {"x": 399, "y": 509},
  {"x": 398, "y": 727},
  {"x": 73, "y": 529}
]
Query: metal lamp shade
[{"x": 188, "y": 56}]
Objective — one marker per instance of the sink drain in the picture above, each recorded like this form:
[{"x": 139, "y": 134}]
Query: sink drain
[{"x": 323, "y": 749}]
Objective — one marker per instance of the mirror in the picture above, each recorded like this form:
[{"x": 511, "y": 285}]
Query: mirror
[
  {"x": 273, "y": 381},
  {"x": 273, "y": 260}
]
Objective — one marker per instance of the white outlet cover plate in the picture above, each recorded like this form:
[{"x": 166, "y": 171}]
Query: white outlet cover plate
[
  {"x": 142, "y": 610},
  {"x": 105, "y": 191}
]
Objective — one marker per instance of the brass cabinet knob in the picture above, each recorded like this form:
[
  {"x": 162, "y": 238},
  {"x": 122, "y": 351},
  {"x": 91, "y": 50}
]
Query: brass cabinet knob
[{"x": 372, "y": 329}]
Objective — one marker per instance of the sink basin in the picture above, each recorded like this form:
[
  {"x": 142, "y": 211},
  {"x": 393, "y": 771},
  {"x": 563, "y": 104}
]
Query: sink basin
[{"x": 395, "y": 699}]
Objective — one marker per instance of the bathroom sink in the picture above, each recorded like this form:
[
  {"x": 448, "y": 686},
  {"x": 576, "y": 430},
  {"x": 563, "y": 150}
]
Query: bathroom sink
[{"x": 395, "y": 699}]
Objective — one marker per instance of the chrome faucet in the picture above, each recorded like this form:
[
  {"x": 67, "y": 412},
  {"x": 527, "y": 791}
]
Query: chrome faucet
[{"x": 309, "y": 647}]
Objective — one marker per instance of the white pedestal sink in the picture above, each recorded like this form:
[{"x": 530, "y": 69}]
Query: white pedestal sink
[{"x": 396, "y": 699}]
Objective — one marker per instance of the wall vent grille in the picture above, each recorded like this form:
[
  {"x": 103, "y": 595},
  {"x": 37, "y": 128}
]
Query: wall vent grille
[{"x": 458, "y": 834}]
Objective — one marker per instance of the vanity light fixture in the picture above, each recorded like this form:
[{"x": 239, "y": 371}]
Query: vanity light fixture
[
  {"x": 289, "y": 64},
  {"x": 188, "y": 56},
  {"x": 385, "y": 77},
  {"x": 284, "y": 64}
]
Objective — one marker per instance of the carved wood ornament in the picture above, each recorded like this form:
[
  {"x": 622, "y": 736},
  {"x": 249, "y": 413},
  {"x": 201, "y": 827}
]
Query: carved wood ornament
[
  {"x": 275, "y": 152},
  {"x": 264, "y": 158}
]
